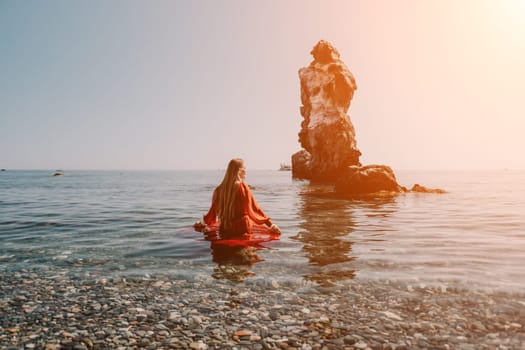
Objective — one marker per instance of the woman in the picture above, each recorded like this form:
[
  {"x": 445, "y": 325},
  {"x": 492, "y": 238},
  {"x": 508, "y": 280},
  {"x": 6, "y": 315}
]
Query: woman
[{"x": 233, "y": 205}]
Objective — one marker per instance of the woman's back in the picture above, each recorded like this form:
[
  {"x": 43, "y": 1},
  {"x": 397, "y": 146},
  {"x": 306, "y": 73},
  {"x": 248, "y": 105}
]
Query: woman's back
[{"x": 234, "y": 207}]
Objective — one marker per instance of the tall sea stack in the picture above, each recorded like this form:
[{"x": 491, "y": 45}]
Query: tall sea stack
[
  {"x": 330, "y": 153},
  {"x": 327, "y": 134}
]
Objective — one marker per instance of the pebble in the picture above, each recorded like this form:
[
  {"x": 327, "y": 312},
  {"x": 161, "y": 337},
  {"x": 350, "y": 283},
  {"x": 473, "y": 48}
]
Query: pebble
[
  {"x": 56, "y": 311},
  {"x": 360, "y": 345}
]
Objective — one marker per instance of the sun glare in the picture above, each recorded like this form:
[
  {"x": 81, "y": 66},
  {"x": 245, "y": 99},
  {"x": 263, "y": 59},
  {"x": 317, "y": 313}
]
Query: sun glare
[{"x": 510, "y": 15}]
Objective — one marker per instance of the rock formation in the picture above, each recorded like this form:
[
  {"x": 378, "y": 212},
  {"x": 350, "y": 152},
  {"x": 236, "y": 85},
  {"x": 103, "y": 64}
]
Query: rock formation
[
  {"x": 327, "y": 134},
  {"x": 330, "y": 153},
  {"x": 362, "y": 180}
]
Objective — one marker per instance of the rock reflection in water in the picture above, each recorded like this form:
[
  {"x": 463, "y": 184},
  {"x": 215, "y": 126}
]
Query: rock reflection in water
[{"x": 326, "y": 227}]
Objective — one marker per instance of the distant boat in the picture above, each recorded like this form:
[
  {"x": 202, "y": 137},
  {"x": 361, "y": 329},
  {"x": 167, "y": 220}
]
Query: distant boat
[
  {"x": 285, "y": 167},
  {"x": 2, "y": 170},
  {"x": 58, "y": 173}
]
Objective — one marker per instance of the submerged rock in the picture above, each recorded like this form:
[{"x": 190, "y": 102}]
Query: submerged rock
[
  {"x": 330, "y": 154},
  {"x": 368, "y": 179},
  {"x": 423, "y": 189}
]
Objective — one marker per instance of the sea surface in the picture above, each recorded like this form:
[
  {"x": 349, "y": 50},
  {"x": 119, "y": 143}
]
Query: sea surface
[{"x": 118, "y": 223}]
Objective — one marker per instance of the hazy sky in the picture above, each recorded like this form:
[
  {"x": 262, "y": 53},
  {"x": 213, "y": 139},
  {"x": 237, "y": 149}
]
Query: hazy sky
[{"x": 191, "y": 84}]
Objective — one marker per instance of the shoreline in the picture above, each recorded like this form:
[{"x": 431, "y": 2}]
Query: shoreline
[{"x": 49, "y": 309}]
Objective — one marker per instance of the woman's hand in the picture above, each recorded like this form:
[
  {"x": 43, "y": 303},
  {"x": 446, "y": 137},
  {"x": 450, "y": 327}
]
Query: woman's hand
[
  {"x": 200, "y": 226},
  {"x": 275, "y": 229}
]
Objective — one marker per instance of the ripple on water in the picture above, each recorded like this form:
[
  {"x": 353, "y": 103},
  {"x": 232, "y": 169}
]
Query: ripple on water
[{"x": 135, "y": 222}]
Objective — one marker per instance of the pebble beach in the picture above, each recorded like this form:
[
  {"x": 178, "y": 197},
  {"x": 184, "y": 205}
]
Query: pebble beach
[
  {"x": 97, "y": 271},
  {"x": 52, "y": 309}
]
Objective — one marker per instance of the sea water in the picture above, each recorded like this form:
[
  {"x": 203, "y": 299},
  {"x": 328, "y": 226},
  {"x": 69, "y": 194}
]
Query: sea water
[{"x": 108, "y": 223}]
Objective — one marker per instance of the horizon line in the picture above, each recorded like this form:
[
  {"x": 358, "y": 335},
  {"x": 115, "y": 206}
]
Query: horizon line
[{"x": 222, "y": 169}]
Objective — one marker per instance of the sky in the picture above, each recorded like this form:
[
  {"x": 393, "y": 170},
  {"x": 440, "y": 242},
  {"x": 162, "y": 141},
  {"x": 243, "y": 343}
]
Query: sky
[{"x": 191, "y": 84}]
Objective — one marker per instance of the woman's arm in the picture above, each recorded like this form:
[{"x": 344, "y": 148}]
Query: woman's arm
[
  {"x": 250, "y": 206},
  {"x": 254, "y": 211},
  {"x": 210, "y": 218}
]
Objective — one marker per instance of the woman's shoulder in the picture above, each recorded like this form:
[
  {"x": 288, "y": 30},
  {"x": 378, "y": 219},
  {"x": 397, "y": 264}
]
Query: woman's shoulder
[{"x": 243, "y": 186}]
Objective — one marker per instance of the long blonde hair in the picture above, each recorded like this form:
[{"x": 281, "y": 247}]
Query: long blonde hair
[{"x": 227, "y": 192}]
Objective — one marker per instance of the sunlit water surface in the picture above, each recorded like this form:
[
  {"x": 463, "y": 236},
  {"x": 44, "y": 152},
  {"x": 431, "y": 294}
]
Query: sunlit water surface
[{"x": 137, "y": 223}]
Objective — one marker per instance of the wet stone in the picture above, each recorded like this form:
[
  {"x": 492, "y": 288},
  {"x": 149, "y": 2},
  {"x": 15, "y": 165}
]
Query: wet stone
[{"x": 67, "y": 313}]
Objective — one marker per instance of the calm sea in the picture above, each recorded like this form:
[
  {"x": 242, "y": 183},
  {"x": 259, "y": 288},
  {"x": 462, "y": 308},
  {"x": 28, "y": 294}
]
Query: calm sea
[{"x": 106, "y": 223}]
